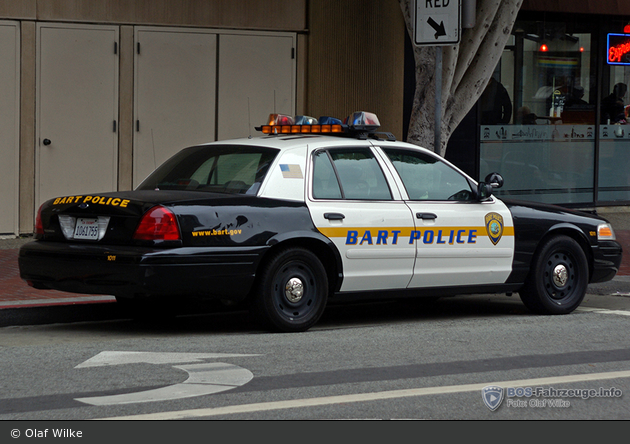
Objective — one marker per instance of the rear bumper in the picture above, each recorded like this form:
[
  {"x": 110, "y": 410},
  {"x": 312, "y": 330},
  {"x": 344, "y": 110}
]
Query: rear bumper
[
  {"x": 606, "y": 261},
  {"x": 207, "y": 273}
]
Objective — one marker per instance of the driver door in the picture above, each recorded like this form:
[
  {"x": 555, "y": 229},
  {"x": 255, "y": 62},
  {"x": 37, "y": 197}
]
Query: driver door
[{"x": 459, "y": 240}]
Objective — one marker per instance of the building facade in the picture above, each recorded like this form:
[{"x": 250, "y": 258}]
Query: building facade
[
  {"x": 554, "y": 119},
  {"x": 94, "y": 94}
]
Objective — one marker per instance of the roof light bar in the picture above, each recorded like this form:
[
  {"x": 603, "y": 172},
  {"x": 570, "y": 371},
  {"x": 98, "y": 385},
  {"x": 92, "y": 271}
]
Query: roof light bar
[
  {"x": 363, "y": 121},
  {"x": 283, "y": 124}
]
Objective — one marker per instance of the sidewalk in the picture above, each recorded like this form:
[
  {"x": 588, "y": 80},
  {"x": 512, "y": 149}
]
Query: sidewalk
[{"x": 15, "y": 293}]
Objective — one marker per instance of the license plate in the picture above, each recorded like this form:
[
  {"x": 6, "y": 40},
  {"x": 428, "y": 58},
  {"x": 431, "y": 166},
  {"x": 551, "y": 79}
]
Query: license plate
[{"x": 86, "y": 229}]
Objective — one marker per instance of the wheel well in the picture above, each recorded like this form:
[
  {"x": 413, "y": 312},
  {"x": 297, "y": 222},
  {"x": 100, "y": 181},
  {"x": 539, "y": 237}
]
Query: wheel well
[
  {"x": 577, "y": 236},
  {"x": 319, "y": 248}
]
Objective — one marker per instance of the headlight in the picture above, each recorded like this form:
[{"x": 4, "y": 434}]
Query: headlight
[{"x": 605, "y": 232}]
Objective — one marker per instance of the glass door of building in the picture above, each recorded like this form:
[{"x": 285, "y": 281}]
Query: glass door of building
[
  {"x": 545, "y": 146},
  {"x": 614, "y": 135}
]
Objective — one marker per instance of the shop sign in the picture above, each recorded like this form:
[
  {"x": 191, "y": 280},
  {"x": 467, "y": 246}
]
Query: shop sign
[{"x": 618, "y": 51}]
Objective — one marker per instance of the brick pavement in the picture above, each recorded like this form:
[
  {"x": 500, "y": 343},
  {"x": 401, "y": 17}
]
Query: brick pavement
[{"x": 14, "y": 292}]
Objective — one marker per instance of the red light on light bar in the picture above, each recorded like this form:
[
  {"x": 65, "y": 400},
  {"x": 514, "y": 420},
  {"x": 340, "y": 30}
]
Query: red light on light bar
[
  {"x": 306, "y": 129},
  {"x": 544, "y": 48},
  {"x": 626, "y": 29}
]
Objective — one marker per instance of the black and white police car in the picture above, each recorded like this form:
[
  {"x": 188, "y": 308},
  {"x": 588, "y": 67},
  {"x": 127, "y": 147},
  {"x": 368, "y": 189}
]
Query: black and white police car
[{"x": 314, "y": 210}]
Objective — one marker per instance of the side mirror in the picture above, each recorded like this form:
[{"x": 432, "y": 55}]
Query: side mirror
[
  {"x": 494, "y": 179},
  {"x": 484, "y": 191}
]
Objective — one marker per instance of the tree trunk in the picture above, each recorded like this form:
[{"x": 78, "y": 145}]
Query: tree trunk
[{"x": 466, "y": 70}]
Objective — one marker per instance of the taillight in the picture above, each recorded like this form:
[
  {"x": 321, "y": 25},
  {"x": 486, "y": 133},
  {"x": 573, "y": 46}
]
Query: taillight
[
  {"x": 158, "y": 224},
  {"x": 39, "y": 226}
]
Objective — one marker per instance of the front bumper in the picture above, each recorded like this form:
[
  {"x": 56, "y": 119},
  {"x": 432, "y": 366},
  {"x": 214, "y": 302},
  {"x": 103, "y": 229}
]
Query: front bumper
[
  {"x": 206, "y": 273},
  {"x": 606, "y": 261}
]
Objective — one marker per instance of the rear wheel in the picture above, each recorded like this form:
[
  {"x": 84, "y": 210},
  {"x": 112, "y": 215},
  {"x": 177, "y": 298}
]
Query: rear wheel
[
  {"x": 292, "y": 292},
  {"x": 558, "y": 277}
]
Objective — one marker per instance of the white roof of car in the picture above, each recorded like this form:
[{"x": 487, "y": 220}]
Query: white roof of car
[{"x": 289, "y": 141}]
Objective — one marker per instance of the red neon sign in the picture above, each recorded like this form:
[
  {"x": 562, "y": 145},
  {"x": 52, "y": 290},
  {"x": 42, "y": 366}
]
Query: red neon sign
[{"x": 618, "y": 49}]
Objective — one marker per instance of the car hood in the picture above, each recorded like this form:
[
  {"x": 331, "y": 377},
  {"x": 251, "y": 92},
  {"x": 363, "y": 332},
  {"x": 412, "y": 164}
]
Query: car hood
[{"x": 526, "y": 209}]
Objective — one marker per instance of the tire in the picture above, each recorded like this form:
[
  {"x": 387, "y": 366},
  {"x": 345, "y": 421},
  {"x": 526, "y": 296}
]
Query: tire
[
  {"x": 282, "y": 308},
  {"x": 547, "y": 293}
]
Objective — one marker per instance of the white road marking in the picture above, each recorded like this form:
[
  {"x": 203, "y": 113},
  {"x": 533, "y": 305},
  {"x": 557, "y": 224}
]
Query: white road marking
[
  {"x": 364, "y": 397},
  {"x": 203, "y": 379},
  {"x": 604, "y": 311},
  {"x": 132, "y": 357}
]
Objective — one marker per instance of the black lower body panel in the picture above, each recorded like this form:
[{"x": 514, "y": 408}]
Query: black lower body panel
[{"x": 206, "y": 273}]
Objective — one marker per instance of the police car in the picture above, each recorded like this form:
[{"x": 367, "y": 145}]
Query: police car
[{"x": 315, "y": 210}]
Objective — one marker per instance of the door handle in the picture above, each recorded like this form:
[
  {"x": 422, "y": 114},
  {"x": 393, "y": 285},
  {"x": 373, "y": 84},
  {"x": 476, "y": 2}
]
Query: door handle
[
  {"x": 334, "y": 216},
  {"x": 46, "y": 142},
  {"x": 426, "y": 216}
]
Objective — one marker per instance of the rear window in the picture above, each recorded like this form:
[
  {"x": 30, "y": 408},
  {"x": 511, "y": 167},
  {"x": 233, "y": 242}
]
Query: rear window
[{"x": 229, "y": 169}]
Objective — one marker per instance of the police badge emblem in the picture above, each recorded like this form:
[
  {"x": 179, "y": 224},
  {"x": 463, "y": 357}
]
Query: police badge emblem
[
  {"x": 494, "y": 227},
  {"x": 492, "y": 396}
]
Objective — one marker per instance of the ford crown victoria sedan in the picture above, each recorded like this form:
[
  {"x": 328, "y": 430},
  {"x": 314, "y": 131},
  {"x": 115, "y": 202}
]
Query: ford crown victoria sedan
[{"x": 311, "y": 211}]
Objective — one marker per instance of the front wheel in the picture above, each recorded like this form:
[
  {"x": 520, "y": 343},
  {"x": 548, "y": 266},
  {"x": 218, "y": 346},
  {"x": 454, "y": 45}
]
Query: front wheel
[
  {"x": 292, "y": 291},
  {"x": 558, "y": 277}
]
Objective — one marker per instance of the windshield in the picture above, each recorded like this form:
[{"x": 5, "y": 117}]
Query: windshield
[{"x": 230, "y": 169}]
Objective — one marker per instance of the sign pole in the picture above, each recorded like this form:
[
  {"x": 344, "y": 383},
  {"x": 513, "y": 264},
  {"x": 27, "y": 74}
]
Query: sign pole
[
  {"x": 437, "y": 23},
  {"x": 437, "y": 132}
]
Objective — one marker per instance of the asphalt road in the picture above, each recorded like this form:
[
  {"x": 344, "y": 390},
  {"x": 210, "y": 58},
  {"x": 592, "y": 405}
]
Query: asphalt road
[{"x": 377, "y": 361}]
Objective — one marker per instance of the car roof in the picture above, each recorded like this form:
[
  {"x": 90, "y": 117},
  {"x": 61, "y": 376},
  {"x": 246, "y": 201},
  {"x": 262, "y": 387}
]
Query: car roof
[{"x": 284, "y": 142}]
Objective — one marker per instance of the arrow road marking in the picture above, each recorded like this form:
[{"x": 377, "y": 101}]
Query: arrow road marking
[
  {"x": 605, "y": 311},
  {"x": 203, "y": 379},
  {"x": 126, "y": 357}
]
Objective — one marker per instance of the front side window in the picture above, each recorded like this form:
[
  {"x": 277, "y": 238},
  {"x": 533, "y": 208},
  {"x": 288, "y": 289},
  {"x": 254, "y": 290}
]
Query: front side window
[
  {"x": 427, "y": 178},
  {"x": 348, "y": 174},
  {"x": 229, "y": 169}
]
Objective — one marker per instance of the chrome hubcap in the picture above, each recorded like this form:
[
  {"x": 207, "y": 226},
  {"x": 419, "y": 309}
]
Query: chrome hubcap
[
  {"x": 560, "y": 275},
  {"x": 294, "y": 290}
]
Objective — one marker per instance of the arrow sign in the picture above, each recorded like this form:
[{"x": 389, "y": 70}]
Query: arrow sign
[
  {"x": 439, "y": 29},
  {"x": 436, "y": 22},
  {"x": 203, "y": 379}
]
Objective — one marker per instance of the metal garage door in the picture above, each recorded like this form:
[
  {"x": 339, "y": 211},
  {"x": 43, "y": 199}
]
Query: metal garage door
[
  {"x": 256, "y": 77},
  {"x": 77, "y": 110},
  {"x": 175, "y": 99},
  {"x": 9, "y": 126}
]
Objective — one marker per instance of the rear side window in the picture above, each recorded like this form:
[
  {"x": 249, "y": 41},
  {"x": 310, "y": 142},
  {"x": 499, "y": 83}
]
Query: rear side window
[
  {"x": 352, "y": 174},
  {"x": 222, "y": 169}
]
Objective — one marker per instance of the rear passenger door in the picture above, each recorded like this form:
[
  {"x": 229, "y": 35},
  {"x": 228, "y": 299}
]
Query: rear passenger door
[{"x": 352, "y": 202}]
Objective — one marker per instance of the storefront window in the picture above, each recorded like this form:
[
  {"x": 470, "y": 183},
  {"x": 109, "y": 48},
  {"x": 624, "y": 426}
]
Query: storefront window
[
  {"x": 614, "y": 146},
  {"x": 543, "y": 139}
]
